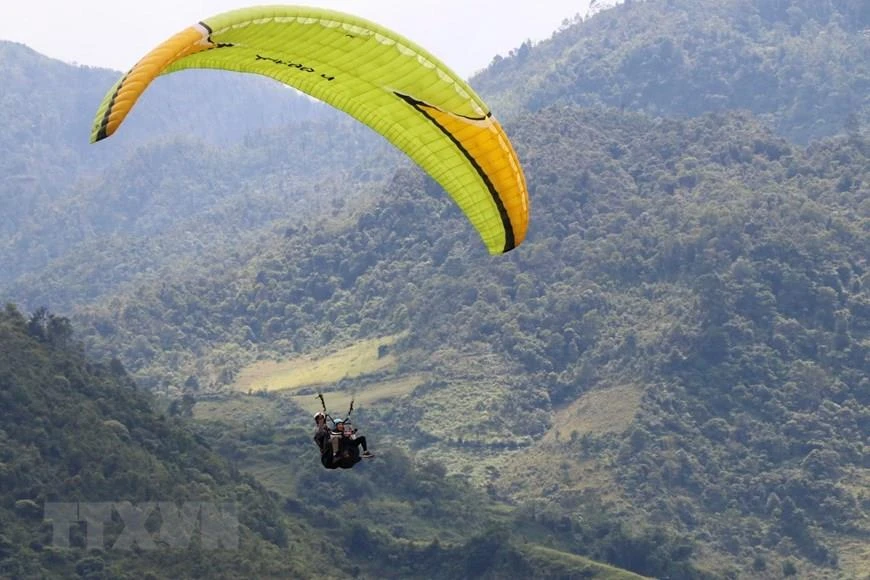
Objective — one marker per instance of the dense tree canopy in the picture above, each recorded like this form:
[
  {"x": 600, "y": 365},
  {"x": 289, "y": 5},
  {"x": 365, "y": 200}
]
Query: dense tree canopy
[{"x": 800, "y": 65}]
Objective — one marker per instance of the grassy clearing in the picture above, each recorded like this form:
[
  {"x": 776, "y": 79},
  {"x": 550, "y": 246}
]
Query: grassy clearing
[
  {"x": 854, "y": 559},
  {"x": 280, "y": 477},
  {"x": 354, "y": 361},
  {"x": 558, "y": 563},
  {"x": 854, "y": 556},
  {"x": 522, "y": 475},
  {"x": 466, "y": 408},
  {"x": 383, "y": 391},
  {"x": 463, "y": 408},
  {"x": 241, "y": 410},
  {"x": 519, "y": 474},
  {"x": 601, "y": 411}
]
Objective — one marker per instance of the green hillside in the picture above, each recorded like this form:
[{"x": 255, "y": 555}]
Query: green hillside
[
  {"x": 708, "y": 263},
  {"x": 76, "y": 431},
  {"x": 799, "y": 65},
  {"x": 79, "y": 433},
  {"x": 206, "y": 205}
]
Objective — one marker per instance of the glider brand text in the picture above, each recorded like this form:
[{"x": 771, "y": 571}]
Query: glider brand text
[{"x": 301, "y": 67}]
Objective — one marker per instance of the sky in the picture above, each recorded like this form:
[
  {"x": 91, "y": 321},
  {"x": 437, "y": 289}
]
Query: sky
[{"x": 465, "y": 34}]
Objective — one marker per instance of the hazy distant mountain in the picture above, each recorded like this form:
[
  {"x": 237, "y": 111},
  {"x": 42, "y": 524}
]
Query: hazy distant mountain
[
  {"x": 253, "y": 151},
  {"x": 56, "y": 102}
]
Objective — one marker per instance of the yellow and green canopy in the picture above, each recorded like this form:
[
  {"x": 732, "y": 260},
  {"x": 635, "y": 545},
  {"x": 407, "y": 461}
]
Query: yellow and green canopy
[{"x": 380, "y": 78}]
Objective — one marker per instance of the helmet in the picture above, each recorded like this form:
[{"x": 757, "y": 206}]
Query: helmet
[{"x": 319, "y": 415}]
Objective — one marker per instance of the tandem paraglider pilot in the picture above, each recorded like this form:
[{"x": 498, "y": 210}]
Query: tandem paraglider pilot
[{"x": 339, "y": 447}]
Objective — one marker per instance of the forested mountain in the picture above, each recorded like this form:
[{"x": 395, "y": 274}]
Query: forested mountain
[
  {"x": 183, "y": 173},
  {"x": 75, "y": 432},
  {"x": 718, "y": 269},
  {"x": 134, "y": 221},
  {"x": 800, "y": 65},
  {"x": 680, "y": 347}
]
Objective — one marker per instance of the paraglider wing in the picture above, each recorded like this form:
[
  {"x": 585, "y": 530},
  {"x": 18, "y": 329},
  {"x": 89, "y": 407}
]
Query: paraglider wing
[{"x": 373, "y": 74}]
